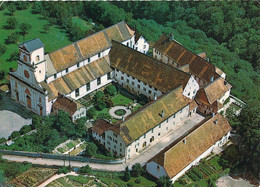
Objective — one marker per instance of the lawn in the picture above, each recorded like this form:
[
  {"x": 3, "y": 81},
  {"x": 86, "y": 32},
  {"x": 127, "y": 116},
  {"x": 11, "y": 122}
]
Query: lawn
[
  {"x": 81, "y": 23},
  {"x": 71, "y": 181},
  {"x": 120, "y": 100},
  {"x": 54, "y": 39}
]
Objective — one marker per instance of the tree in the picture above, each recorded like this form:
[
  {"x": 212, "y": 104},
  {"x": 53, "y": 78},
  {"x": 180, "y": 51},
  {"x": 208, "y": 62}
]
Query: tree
[
  {"x": 13, "y": 56},
  {"x": 11, "y": 23},
  {"x": 3, "y": 49},
  {"x": 64, "y": 124},
  {"x": 25, "y": 28},
  {"x": 85, "y": 169},
  {"x": 46, "y": 28},
  {"x": 164, "y": 181},
  {"x": 64, "y": 170},
  {"x": 111, "y": 90},
  {"x": 76, "y": 33},
  {"x": 2, "y": 75},
  {"x": 12, "y": 38},
  {"x": 80, "y": 127},
  {"x": 91, "y": 149},
  {"x": 137, "y": 170},
  {"x": 100, "y": 105},
  {"x": 14, "y": 134},
  {"x": 37, "y": 121},
  {"x": 99, "y": 95},
  {"x": 142, "y": 99},
  {"x": 12, "y": 8},
  {"x": 91, "y": 113},
  {"x": 127, "y": 175}
]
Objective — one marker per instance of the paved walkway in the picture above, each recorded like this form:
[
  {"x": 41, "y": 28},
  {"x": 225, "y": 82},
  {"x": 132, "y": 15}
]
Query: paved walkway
[
  {"x": 114, "y": 109},
  {"x": 141, "y": 158}
]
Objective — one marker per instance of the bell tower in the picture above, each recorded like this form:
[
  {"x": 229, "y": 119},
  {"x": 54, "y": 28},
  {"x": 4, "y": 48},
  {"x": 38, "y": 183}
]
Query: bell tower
[{"x": 31, "y": 53}]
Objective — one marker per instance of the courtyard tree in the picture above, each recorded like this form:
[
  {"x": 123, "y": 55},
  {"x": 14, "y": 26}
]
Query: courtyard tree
[
  {"x": 64, "y": 124},
  {"x": 111, "y": 90},
  {"x": 91, "y": 149},
  {"x": 25, "y": 28},
  {"x": 11, "y": 23},
  {"x": 3, "y": 49},
  {"x": 80, "y": 127},
  {"x": 137, "y": 170},
  {"x": 91, "y": 113},
  {"x": 99, "y": 95}
]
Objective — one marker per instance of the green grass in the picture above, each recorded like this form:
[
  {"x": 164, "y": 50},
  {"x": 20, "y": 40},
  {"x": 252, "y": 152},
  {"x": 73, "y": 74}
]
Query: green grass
[
  {"x": 80, "y": 179},
  {"x": 84, "y": 25},
  {"x": 121, "y": 100},
  {"x": 54, "y": 39}
]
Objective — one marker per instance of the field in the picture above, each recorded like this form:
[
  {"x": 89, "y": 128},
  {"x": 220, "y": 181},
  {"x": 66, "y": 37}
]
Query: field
[
  {"x": 54, "y": 39},
  {"x": 33, "y": 177}
]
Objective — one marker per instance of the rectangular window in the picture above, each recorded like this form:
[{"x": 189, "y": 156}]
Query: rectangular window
[
  {"x": 88, "y": 60},
  {"x": 108, "y": 76},
  {"x": 77, "y": 65},
  {"x": 99, "y": 81},
  {"x": 67, "y": 70},
  {"x": 133, "y": 83},
  {"x": 144, "y": 89},
  {"x": 55, "y": 76},
  {"x": 99, "y": 55},
  {"x": 127, "y": 80},
  {"x": 88, "y": 86},
  {"x": 122, "y": 78},
  {"x": 150, "y": 91},
  {"x": 77, "y": 92},
  {"x": 152, "y": 130},
  {"x": 159, "y": 125},
  {"x": 138, "y": 86}
]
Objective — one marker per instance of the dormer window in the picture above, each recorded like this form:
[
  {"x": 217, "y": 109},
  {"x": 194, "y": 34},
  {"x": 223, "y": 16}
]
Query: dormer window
[
  {"x": 88, "y": 60},
  {"x": 99, "y": 55},
  {"x": 55, "y": 76},
  {"x": 37, "y": 58},
  {"x": 67, "y": 70},
  {"x": 77, "y": 65}
]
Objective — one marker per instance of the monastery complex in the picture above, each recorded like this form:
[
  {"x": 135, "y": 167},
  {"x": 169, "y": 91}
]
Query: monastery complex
[{"x": 177, "y": 82}]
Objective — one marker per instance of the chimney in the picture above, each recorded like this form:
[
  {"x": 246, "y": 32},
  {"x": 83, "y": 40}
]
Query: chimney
[
  {"x": 162, "y": 114},
  {"x": 216, "y": 122},
  {"x": 211, "y": 79},
  {"x": 155, "y": 97},
  {"x": 171, "y": 37}
]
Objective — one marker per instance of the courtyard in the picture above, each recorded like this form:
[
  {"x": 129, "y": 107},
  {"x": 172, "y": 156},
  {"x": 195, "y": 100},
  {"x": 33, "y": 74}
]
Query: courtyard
[{"x": 12, "y": 115}]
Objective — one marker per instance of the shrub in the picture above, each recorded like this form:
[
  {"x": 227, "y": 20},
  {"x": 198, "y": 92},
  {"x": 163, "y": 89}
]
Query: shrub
[
  {"x": 137, "y": 181},
  {"x": 111, "y": 90},
  {"x": 25, "y": 129},
  {"x": 100, "y": 105},
  {"x": 226, "y": 101},
  {"x": 104, "y": 115},
  {"x": 12, "y": 38},
  {"x": 137, "y": 170},
  {"x": 2, "y": 140},
  {"x": 127, "y": 175},
  {"x": 64, "y": 170},
  {"x": 85, "y": 169},
  {"x": 91, "y": 113},
  {"x": 13, "y": 56},
  {"x": 91, "y": 149},
  {"x": 14, "y": 134},
  {"x": 142, "y": 99},
  {"x": 11, "y": 23},
  {"x": 99, "y": 95}
]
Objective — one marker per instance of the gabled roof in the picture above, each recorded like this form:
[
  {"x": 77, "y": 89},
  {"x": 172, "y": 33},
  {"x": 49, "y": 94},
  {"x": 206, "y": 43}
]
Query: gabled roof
[
  {"x": 178, "y": 53},
  {"x": 213, "y": 91},
  {"x": 66, "y": 104},
  {"x": 77, "y": 78},
  {"x": 179, "y": 155},
  {"x": 32, "y": 45},
  {"x": 147, "y": 69},
  {"x": 150, "y": 116},
  {"x": 101, "y": 126},
  {"x": 89, "y": 46}
]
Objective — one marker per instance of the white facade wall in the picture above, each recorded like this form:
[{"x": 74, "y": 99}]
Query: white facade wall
[
  {"x": 130, "y": 42},
  {"x": 191, "y": 88},
  {"x": 79, "y": 114},
  {"x": 224, "y": 97},
  {"x": 114, "y": 143},
  {"x": 93, "y": 86},
  {"x": 133, "y": 84},
  {"x": 157, "y": 132},
  {"x": 141, "y": 45},
  {"x": 37, "y": 98}
]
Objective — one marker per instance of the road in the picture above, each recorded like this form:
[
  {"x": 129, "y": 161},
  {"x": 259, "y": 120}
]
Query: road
[{"x": 141, "y": 158}]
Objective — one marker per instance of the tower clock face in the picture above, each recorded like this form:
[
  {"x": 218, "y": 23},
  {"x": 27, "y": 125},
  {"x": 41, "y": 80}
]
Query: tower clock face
[{"x": 26, "y": 74}]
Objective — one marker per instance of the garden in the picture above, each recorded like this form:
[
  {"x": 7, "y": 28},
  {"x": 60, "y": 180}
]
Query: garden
[
  {"x": 67, "y": 146},
  {"x": 113, "y": 96},
  {"x": 205, "y": 173},
  {"x": 33, "y": 177}
]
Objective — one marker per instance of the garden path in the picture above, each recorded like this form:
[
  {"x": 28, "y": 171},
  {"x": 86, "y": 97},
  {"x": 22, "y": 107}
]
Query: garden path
[{"x": 114, "y": 109}]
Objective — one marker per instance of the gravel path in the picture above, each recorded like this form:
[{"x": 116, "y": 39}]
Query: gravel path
[
  {"x": 114, "y": 109},
  {"x": 230, "y": 182}
]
